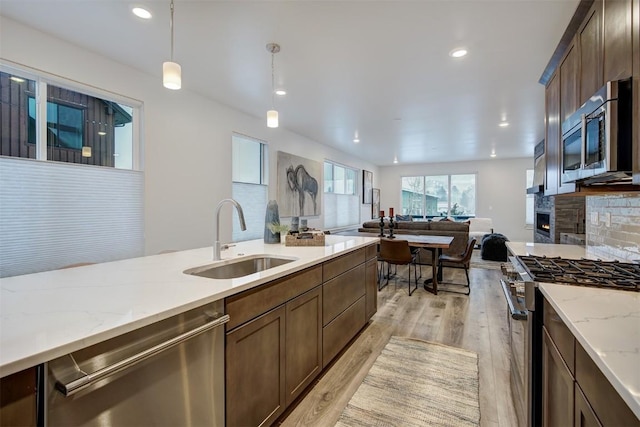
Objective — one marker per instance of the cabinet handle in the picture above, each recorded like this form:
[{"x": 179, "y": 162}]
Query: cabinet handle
[{"x": 73, "y": 387}]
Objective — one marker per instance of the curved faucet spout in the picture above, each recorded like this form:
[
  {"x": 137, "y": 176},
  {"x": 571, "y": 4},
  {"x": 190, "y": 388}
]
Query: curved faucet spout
[{"x": 216, "y": 238}]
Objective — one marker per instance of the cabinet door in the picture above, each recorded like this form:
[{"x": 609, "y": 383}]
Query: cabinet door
[
  {"x": 557, "y": 387},
  {"x": 618, "y": 51},
  {"x": 303, "y": 342},
  {"x": 552, "y": 135},
  {"x": 590, "y": 37},
  {"x": 371, "y": 284},
  {"x": 18, "y": 399},
  {"x": 584, "y": 415},
  {"x": 255, "y": 371},
  {"x": 569, "y": 80}
]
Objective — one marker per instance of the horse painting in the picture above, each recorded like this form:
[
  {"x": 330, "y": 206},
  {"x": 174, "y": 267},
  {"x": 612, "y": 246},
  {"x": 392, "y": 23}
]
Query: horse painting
[
  {"x": 299, "y": 186},
  {"x": 301, "y": 182}
]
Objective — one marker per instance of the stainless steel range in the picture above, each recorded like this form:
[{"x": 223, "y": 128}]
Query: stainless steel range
[{"x": 519, "y": 283}]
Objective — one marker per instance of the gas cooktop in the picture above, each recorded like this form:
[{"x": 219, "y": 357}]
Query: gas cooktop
[{"x": 583, "y": 272}]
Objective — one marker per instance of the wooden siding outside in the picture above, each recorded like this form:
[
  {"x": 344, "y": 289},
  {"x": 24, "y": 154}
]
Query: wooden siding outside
[{"x": 14, "y": 112}]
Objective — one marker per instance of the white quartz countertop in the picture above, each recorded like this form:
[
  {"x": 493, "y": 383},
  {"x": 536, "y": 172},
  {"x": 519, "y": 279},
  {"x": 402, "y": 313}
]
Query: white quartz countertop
[
  {"x": 46, "y": 315},
  {"x": 607, "y": 325},
  {"x": 552, "y": 250}
]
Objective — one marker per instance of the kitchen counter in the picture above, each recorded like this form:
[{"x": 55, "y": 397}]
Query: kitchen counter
[
  {"x": 552, "y": 250},
  {"x": 49, "y": 314},
  {"x": 606, "y": 323}
]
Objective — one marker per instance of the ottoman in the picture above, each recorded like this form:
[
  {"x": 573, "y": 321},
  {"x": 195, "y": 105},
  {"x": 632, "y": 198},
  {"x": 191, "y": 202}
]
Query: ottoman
[{"x": 494, "y": 247}]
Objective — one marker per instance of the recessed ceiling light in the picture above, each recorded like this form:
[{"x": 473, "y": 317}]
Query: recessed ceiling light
[
  {"x": 503, "y": 124},
  {"x": 281, "y": 92},
  {"x": 141, "y": 13},
  {"x": 458, "y": 53}
]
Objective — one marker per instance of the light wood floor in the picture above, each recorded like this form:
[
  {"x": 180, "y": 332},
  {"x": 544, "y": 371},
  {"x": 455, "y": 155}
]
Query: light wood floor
[{"x": 477, "y": 322}]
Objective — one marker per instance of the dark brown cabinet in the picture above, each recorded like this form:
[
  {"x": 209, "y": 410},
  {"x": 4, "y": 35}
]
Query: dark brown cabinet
[
  {"x": 552, "y": 135},
  {"x": 557, "y": 387},
  {"x": 590, "y": 40},
  {"x": 18, "y": 405},
  {"x": 569, "y": 88},
  {"x": 303, "y": 342},
  {"x": 617, "y": 46},
  {"x": 371, "y": 283},
  {"x": 255, "y": 366},
  {"x": 583, "y": 415}
]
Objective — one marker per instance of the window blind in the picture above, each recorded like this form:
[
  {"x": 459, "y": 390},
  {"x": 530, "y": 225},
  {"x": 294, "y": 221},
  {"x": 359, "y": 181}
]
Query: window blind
[{"x": 55, "y": 214}]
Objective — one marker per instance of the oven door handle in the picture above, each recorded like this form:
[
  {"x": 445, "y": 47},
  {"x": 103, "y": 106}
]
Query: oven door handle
[
  {"x": 513, "y": 311},
  {"x": 87, "y": 379}
]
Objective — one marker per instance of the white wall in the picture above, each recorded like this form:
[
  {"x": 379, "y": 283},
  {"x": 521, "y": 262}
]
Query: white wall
[
  {"x": 500, "y": 193},
  {"x": 187, "y": 138}
]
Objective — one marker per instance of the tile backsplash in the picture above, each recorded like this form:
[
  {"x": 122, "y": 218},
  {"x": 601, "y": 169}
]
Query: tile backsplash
[{"x": 613, "y": 226}]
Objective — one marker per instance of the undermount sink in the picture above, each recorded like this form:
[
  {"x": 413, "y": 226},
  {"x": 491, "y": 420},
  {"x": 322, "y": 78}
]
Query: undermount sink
[{"x": 238, "y": 267}]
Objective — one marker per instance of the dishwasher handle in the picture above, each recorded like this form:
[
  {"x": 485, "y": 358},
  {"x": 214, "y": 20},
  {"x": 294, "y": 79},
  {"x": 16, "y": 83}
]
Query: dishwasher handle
[
  {"x": 73, "y": 387},
  {"x": 513, "y": 311}
]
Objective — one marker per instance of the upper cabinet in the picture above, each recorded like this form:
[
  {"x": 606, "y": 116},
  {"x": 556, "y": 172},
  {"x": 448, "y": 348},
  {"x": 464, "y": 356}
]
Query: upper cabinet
[
  {"x": 590, "y": 39},
  {"x": 600, "y": 44}
]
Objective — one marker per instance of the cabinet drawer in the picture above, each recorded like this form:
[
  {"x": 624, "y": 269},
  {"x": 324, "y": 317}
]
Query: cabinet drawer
[
  {"x": 371, "y": 251},
  {"x": 561, "y": 335},
  {"x": 252, "y": 303},
  {"x": 607, "y": 404},
  {"x": 342, "y": 291},
  {"x": 337, "y": 266},
  {"x": 338, "y": 333}
]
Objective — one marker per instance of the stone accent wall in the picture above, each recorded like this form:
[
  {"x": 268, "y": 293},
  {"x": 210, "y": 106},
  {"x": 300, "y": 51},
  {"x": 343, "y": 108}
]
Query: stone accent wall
[
  {"x": 621, "y": 240},
  {"x": 566, "y": 215}
]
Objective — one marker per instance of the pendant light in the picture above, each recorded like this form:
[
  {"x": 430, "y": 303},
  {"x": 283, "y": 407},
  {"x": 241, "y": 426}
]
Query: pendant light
[
  {"x": 171, "y": 71},
  {"x": 272, "y": 115}
]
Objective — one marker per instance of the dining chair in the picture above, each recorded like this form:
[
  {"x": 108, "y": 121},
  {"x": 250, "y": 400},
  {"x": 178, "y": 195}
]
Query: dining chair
[
  {"x": 397, "y": 252},
  {"x": 458, "y": 261}
]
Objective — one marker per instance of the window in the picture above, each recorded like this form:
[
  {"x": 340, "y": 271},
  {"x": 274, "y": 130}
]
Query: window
[
  {"x": 439, "y": 195},
  {"x": 75, "y": 214},
  {"x": 530, "y": 201},
  {"x": 342, "y": 204},
  {"x": 77, "y": 126},
  {"x": 250, "y": 185}
]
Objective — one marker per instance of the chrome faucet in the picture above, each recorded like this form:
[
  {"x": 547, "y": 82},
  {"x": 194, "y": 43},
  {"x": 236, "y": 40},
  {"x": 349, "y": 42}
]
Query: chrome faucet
[{"x": 243, "y": 226}]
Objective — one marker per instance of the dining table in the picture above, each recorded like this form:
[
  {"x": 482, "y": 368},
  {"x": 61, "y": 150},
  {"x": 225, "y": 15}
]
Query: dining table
[{"x": 432, "y": 243}]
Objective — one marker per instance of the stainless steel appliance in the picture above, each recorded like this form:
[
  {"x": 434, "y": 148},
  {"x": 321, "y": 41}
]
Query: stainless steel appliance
[
  {"x": 170, "y": 373},
  {"x": 520, "y": 278},
  {"x": 596, "y": 139}
]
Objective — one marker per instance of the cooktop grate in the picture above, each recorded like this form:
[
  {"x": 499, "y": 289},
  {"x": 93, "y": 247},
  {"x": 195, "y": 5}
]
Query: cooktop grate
[{"x": 583, "y": 272}]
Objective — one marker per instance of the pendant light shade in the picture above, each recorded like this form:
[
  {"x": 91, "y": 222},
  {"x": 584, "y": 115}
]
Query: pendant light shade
[
  {"x": 171, "y": 71},
  {"x": 272, "y": 115},
  {"x": 272, "y": 119},
  {"x": 171, "y": 75}
]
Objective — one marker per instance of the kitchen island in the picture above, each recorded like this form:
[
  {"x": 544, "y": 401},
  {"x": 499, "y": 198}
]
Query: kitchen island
[{"x": 50, "y": 314}]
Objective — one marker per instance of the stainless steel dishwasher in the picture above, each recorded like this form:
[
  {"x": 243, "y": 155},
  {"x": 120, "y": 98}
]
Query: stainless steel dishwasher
[{"x": 170, "y": 373}]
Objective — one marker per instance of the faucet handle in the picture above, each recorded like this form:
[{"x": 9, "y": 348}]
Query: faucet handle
[{"x": 226, "y": 246}]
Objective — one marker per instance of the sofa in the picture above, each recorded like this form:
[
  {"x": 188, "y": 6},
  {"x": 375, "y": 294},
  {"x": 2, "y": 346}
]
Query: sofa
[{"x": 458, "y": 230}]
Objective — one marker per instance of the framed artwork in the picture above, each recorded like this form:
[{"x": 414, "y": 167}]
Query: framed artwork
[
  {"x": 367, "y": 185},
  {"x": 375, "y": 203},
  {"x": 298, "y": 186}
]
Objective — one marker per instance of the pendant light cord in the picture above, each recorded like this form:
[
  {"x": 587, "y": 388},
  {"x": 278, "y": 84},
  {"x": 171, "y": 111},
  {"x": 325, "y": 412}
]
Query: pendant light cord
[
  {"x": 273, "y": 85},
  {"x": 171, "y": 24}
]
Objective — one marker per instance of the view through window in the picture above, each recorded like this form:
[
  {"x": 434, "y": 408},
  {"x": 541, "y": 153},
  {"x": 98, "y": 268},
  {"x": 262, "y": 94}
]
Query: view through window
[
  {"x": 341, "y": 201},
  {"x": 250, "y": 185},
  {"x": 426, "y": 197}
]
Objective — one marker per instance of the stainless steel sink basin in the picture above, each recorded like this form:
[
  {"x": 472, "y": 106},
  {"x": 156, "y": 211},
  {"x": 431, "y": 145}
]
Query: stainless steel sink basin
[{"x": 238, "y": 267}]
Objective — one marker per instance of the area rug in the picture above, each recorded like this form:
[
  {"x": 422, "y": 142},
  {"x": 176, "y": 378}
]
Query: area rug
[{"x": 417, "y": 383}]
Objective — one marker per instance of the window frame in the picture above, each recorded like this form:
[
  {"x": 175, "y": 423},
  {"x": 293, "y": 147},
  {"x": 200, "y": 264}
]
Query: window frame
[
  {"x": 43, "y": 79},
  {"x": 425, "y": 216}
]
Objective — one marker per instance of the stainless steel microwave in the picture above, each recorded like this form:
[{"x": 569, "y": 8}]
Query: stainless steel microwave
[{"x": 596, "y": 139}]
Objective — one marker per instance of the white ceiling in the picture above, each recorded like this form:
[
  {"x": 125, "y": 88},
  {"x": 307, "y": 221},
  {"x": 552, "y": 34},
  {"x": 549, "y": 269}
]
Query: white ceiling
[{"x": 378, "y": 68}]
